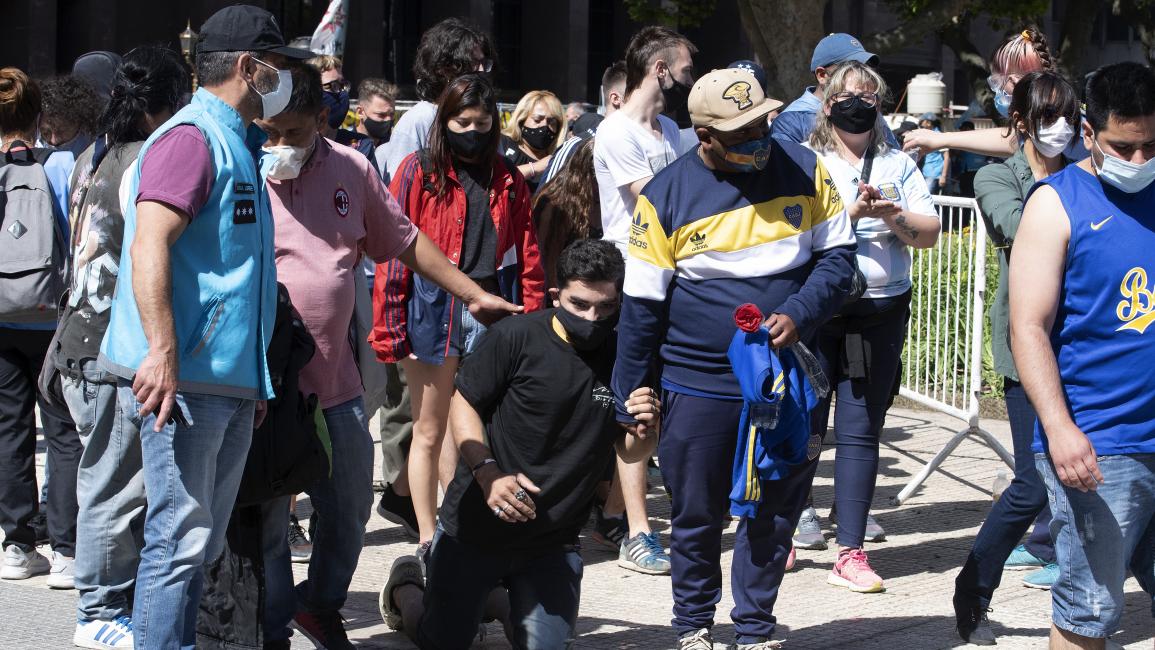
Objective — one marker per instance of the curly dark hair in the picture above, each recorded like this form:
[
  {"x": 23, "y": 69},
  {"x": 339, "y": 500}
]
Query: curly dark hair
[
  {"x": 447, "y": 51},
  {"x": 70, "y": 104}
]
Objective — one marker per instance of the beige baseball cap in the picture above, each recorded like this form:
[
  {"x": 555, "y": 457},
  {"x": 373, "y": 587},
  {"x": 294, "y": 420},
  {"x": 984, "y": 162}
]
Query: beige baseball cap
[{"x": 729, "y": 100}]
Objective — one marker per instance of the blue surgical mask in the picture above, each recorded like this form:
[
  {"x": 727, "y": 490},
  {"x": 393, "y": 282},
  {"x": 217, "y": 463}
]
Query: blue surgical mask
[
  {"x": 338, "y": 105},
  {"x": 749, "y": 156},
  {"x": 1127, "y": 176},
  {"x": 1003, "y": 103}
]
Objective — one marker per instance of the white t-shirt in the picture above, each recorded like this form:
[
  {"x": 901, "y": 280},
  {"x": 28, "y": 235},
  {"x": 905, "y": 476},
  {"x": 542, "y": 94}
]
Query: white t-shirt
[
  {"x": 624, "y": 152},
  {"x": 883, "y": 258}
]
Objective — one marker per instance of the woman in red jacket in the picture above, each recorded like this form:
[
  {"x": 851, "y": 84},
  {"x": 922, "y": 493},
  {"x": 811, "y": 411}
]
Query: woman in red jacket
[{"x": 461, "y": 194}]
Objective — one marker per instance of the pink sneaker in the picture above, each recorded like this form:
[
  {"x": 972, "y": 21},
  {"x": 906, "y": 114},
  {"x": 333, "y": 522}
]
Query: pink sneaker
[
  {"x": 790, "y": 559},
  {"x": 852, "y": 570}
]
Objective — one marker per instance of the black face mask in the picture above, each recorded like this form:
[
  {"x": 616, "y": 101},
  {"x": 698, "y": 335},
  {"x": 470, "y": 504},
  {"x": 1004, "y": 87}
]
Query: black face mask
[
  {"x": 540, "y": 138},
  {"x": 468, "y": 145},
  {"x": 378, "y": 129},
  {"x": 676, "y": 98},
  {"x": 853, "y": 115},
  {"x": 586, "y": 334}
]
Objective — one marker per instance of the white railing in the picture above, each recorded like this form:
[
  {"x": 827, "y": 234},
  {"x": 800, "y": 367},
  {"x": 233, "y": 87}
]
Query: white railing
[{"x": 942, "y": 359}]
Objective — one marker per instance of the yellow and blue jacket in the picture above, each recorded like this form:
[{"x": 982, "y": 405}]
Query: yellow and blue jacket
[
  {"x": 774, "y": 431},
  {"x": 703, "y": 242}
]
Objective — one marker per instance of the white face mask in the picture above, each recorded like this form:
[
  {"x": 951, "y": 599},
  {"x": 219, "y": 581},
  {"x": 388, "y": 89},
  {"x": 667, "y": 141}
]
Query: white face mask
[
  {"x": 1052, "y": 139},
  {"x": 1125, "y": 175},
  {"x": 274, "y": 102},
  {"x": 287, "y": 161}
]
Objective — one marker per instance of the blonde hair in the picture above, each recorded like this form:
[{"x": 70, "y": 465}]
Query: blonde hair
[
  {"x": 823, "y": 138},
  {"x": 526, "y": 105},
  {"x": 325, "y": 62}
]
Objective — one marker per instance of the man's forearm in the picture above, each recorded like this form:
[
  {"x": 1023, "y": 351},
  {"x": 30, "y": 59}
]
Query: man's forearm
[
  {"x": 822, "y": 293},
  {"x": 152, "y": 287},
  {"x": 468, "y": 431},
  {"x": 424, "y": 257},
  {"x": 1039, "y": 373},
  {"x": 632, "y": 449}
]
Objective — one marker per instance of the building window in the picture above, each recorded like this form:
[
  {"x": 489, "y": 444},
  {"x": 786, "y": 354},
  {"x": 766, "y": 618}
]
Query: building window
[{"x": 507, "y": 38}]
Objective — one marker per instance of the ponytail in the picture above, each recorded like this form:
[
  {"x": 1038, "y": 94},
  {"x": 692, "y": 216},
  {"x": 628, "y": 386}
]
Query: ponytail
[{"x": 148, "y": 81}]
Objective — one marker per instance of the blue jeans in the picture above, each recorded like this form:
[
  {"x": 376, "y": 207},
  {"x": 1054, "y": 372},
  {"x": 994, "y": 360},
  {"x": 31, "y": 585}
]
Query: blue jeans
[
  {"x": 544, "y": 591},
  {"x": 343, "y": 502},
  {"x": 1024, "y": 501},
  {"x": 110, "y": 493},
  {"x": 191, "y": 477},
  {"x": 280, "y": 594},
  {"x": 1098, "y": 536},
  {"x": 696, "y": 450}
]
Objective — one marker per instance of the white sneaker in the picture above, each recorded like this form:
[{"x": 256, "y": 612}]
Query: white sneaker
[
  {"x": 103, "y": 635},
  {"x": 60, "y": 577},
  {"x": 19, "y": 565}
]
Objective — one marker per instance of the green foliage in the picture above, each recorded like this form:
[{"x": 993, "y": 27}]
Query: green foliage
[
  {"x": 938, "y": 339},
  {"x": 671, "y": 13}
]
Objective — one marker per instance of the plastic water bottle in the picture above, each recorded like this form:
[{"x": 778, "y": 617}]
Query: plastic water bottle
[{"x": 1000, "y": 486}]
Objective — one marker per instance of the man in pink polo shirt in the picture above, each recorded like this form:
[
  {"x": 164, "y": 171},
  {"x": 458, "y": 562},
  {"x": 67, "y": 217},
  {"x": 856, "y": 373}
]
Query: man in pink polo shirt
[{"x": 330, "y": 208}]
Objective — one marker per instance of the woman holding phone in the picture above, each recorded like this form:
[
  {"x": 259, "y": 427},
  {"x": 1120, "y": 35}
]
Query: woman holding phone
[{"x": 890, "y": 208}]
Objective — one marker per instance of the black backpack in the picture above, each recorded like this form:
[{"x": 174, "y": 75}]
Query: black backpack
[{"x": 288, "y": 452}]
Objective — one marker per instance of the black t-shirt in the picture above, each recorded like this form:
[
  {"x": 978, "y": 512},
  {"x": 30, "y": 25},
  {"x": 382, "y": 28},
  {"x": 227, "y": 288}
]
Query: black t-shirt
[
  {"x": 549, "y": 414},
  {"x": 479, "y": 241},
  {"x": 515, "y": 157}
]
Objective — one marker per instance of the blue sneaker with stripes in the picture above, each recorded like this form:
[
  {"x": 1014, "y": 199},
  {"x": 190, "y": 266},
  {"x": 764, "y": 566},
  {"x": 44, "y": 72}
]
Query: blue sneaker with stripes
[
  {"x": 103, "y": 635},
  {"x": 644, "y": 553}
]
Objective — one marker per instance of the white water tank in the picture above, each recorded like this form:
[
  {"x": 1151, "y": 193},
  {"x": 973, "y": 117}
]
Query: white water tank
[{"x": 926, "y": 93}]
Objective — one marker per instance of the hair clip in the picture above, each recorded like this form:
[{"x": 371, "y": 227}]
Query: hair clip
[{"x": 1026, "y": 36}]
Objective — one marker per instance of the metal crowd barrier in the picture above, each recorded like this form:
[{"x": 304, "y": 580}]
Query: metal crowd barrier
[{"x": 942, "y": 359}]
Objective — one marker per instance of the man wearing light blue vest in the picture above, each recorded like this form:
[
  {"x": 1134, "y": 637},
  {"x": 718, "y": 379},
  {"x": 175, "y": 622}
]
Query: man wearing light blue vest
[{"x": 193, "y": 312}]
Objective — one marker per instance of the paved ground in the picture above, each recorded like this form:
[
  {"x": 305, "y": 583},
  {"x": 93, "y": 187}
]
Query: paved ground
[{"x": 929, "y": 537}]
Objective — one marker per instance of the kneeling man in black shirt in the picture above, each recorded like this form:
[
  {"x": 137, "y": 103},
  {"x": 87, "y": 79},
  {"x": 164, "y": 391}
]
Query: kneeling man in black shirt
[{"x": 533, "y": 418}]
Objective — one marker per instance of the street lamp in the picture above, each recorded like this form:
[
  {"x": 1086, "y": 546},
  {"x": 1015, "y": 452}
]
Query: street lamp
[{"x": 188, "y": 40}]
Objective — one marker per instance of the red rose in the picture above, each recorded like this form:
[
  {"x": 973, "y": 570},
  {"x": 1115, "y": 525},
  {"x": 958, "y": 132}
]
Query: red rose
[{"x": 748, "y": 317}]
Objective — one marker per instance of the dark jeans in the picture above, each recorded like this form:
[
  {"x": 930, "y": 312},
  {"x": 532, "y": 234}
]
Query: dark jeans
[
  {"x": 1024, "y": 501},
  {"x": 21, "y": 355},
  {"x": 544, "y": 590},
  {"x": 696, "y": 450},
  {"x": 862, "y": 403}
]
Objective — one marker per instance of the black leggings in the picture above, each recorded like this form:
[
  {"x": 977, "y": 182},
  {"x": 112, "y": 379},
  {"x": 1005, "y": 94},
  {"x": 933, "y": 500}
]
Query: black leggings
[{"x": 864, "y": 394}]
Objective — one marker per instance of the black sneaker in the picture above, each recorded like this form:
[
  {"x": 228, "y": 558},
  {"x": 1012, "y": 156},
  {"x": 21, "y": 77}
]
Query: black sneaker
[
  {"x": 609, "y": 531},
  {"x": 398, "y": 509},
  {"x": 39, "y": 525},
  {"x": 971, "y": 621},
  {"x": 324, "y": 629}
]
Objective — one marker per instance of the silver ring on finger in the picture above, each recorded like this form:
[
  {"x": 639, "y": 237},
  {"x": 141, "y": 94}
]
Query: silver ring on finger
[
  {"x": 497, "y": 510},
  {"x": 520, "y": 495}
]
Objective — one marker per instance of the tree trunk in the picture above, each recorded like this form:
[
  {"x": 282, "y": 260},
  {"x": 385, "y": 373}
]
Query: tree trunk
[
  {"x": 1141, "y": 15},
  {"x": 1077, "y": 26},
  {"x": 956, "y": 36},
  {"x": 783, "y": 34}
]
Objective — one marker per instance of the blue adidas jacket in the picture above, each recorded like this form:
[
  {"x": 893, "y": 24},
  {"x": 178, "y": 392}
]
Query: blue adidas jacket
[{"x": 770, "y": 380}]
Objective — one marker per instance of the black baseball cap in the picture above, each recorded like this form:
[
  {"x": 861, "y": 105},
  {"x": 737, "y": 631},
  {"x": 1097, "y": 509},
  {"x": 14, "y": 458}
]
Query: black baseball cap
[{"x": 245, "y": 28}]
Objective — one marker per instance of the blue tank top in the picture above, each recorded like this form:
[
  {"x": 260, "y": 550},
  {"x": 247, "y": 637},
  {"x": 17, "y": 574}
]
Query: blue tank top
[{"x": 1106, "y": 356}]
